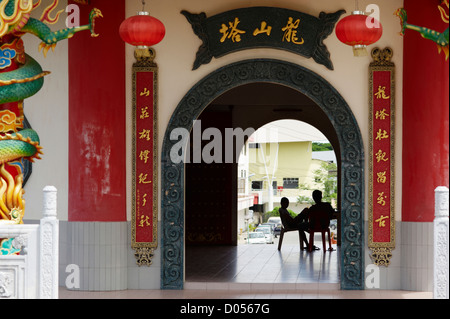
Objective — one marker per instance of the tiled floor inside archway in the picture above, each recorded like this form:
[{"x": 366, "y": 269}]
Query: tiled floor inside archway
[{"x": 262, "y": 266}]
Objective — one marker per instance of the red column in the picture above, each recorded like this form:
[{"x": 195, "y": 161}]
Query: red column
[
  {"x": 425, "y": 114},
  {"x": 97, "y": 160}
]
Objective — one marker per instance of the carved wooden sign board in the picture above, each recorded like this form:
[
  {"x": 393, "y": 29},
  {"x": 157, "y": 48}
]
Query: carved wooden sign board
[
  {"x": 263, "y": 27},
  {"x": 144, "y": 214},
  {"x": 382, "y": 155}
]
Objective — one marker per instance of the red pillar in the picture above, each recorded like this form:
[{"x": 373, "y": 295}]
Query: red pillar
[
  {"x": 425, "y": 114},
  {"x": 97, "y": 161}
]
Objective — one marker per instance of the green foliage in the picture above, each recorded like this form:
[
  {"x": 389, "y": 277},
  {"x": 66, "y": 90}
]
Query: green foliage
[
  {"x": 326, "y": 176},
  {"x": 319, "y": 147},
  {"x": 275, "y": 213},
  {"x": 328, "y": 180},
  {"x": 305, "y": 199}
]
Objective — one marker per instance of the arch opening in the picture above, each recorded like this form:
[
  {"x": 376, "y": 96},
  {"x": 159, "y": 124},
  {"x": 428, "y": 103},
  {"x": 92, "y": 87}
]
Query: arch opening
[{"x": 347, "y": 138}]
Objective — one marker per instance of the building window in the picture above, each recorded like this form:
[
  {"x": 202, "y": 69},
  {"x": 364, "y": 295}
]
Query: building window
[
  {"x": 290, "y": 183},
  {"x": 257, "y": 185}
]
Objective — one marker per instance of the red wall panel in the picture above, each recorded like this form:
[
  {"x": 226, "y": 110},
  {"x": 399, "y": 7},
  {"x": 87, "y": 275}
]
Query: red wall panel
[
  {"x": 425, "y": 114},
  {"x": 97, "y": 118}
]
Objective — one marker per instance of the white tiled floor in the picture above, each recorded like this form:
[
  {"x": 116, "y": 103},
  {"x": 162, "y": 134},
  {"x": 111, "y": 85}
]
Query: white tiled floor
[
  {"x": 244, "y": 294},
  {"x": 260, "y": 266},
  {"x": 256, "y": 271}
]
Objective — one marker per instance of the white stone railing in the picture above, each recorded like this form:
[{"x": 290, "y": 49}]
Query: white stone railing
[
  {"x": 441, "y": 245},
  {"x": 34, "y": 272}
]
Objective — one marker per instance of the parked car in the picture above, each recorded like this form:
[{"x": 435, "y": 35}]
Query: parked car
[
  {"x": 276, "y": 221},
  {"x": 272, "y": 226},
  {"x": 267, "y": 231},
  {"x": 276, "y": 229},
  {"x": 256, "y": 238}
]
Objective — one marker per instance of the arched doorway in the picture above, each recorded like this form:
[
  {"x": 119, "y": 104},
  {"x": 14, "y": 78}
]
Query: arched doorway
[{"x": 351, "y": 164}]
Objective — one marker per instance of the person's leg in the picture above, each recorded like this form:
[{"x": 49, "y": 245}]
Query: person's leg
[{"x": 303, "y": 238}]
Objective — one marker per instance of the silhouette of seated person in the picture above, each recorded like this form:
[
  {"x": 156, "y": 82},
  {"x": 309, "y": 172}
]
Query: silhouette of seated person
[
  {"x": 299, "y": 222},
  {"x": 321, "y": 206}
]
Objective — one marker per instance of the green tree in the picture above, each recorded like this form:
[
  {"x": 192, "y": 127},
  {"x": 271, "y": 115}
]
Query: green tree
[
  {"x": 326, "y": 176},
  {"x": 275, "y": 213},
  {"x": 305, "y": 199},
  {"x": 319, "y": 147}
]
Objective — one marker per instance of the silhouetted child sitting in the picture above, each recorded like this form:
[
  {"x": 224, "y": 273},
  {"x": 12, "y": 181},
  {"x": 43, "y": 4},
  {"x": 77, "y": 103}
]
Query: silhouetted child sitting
[{"x": 299, "y": 222}]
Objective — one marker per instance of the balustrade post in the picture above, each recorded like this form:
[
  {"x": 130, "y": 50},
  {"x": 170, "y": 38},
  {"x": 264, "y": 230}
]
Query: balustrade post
[
  {"x": 49, "y": 247},
  {"x": 441, "y": 244}
]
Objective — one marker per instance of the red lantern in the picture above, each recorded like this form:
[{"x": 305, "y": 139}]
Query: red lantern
[
  {"x": 359, "y": 31},
  {"x": 142, "y": 30}
]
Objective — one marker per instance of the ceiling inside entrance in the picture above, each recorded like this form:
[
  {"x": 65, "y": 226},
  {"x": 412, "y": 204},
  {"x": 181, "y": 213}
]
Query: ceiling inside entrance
[
  {"x": 254, "y": 105},
  {"x": 264, "y": 94}
]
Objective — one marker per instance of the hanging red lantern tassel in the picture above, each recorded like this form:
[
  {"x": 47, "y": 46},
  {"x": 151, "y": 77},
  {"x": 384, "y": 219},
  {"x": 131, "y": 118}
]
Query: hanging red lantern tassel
[
  {"x": 142, "y": 30},
  {"x": 359, "y": 31}
]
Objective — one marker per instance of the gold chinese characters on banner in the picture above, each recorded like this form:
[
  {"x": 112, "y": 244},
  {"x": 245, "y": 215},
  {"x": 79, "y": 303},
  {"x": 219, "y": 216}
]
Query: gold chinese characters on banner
[
  {"x": 381, "y": 161},
  {"x": 145, "y": 159}
]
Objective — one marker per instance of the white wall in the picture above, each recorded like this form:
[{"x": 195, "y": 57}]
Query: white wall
[{"x": 48, "y": 114}]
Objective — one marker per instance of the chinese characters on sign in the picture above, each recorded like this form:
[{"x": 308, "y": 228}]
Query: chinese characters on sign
[
  {"x": 290, "y": 32},
  {"x": 289, "y": 35},
  {"x": 381, "y": 161},
  {"x": 231, "y": 32},
  {"x": 144, "y": 212},
  {"x": 381, "y": 181},
  {"x": 263, "y": 27}
]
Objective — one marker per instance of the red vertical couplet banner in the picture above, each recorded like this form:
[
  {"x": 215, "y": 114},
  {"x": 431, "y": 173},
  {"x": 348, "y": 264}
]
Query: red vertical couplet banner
[
  {"x": 144, "y": 157},
  {"x": 145, "y": 163},
  {"x": 382, "y": 138},
  {"x": 381, "y": 156}
]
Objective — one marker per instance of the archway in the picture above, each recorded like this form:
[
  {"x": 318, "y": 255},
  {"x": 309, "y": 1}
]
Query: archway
[{"x": 351, "y": 165}]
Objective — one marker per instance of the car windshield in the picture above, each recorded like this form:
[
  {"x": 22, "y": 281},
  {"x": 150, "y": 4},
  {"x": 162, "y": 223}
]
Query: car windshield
[
  {"x": 256, "y": 235},
  {"x": 274, "y": 220},
  {"x": 265, "y": 230}
]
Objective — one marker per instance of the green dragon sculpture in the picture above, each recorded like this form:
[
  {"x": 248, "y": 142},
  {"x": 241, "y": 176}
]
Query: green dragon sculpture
[
  {"x": 440, "y": 38},
  {"x": 21, "y": 76}
]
